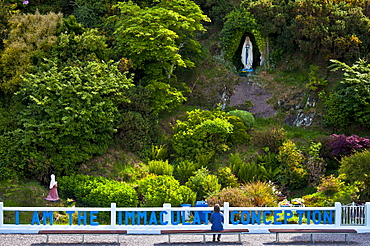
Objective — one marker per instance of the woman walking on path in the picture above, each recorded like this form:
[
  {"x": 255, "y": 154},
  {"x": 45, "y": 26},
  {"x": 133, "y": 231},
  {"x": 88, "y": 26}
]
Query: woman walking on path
[{"x": 217, "y": 220}]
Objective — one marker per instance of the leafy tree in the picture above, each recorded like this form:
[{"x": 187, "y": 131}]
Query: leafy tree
[
  {"x": 217, "y": 9},
  {"x": 137, "y": 124},
  {"x": 156, "y": 39},
  {"x": 271, "y": 15},
  {"x": 87, "y": 46},
  {"x": 329, "y": 28},
  {"x": 69, "y": 115},
  {"x": 350, "y": 102},
  {"x": 91, "y": 12},
  {"x": 5, "y": 13},
  {"x": 30, "y": 36}
]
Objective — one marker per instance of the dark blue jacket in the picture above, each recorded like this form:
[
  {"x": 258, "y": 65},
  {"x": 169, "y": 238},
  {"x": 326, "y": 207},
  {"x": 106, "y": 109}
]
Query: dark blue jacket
[{"x": 217, "y": 220}]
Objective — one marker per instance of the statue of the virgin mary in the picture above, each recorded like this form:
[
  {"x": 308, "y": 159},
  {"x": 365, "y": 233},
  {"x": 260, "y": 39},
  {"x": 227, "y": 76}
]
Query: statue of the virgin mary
[
  {"x": 247, "y": 55},
  {"x": 53, "y": 192}
]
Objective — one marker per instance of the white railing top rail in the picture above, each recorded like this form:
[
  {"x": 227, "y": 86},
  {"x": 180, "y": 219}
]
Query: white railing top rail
[{"x": 173, "y": 217}]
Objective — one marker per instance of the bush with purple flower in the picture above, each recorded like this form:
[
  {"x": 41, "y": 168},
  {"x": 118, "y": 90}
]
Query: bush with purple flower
[{"x": 342, "y": 145}]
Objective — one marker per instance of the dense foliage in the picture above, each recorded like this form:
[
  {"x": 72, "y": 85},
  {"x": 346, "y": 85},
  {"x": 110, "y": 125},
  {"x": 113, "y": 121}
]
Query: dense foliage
[
  {"x": 350, "y": 102},
  {"x": 156, "y": 190},
  {"x": 101, "y": 87},
  {"x": 67, "y": 115},
  {"x": 97, "y": 191},
  {"x": 204, "y": 133}
]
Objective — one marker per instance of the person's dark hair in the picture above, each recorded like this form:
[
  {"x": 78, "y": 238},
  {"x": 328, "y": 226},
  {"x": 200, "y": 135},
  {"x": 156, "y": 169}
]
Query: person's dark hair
[{"x": 216, "y": 209}]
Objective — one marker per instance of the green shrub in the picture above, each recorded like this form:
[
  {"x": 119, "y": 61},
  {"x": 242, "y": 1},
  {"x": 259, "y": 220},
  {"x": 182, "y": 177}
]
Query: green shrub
[
  {"x": 356, "y": 167},
  {"x": 339, "y": 191},
  {"x": 293, "y": 174},
  {"x": 227, "y": 178},
  {"x": 262, "y": 194},
  {"x": 20, "y": 194},
  {"x": 234, "y": 196},
  {"x": 205, "y": 159},
  {"x": 156, "y": 190},
  {"x": 103, "y": 194},
  {"x": 247, "y": 117},
  {"x": 159, "y": 152},
  {"x": 245, "y": 171},
  {"x": 69, "y": 186},
  {"x": 137, "y": 125},
  {"x": 96, "y": 191},
  {"x": 269, "y": 166},
  {"x": 271, "y": 137},
  {"x": 184, "y": 170},
  {"x": 204, "y": 132},
  {"x": 317, "y": 199},
  {"x": 77, "y": 186},
  {"x": 160, "y": 168},
  {"x": 240, "y": 132},
  {"x": 203, "y": 183},
  {"x": 330, "y": 185}
]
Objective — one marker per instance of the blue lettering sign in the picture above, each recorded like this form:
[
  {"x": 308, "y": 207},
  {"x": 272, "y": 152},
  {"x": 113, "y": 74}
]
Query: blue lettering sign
[
  {"x": 153, "y": 219},
  {"x": 46, "y": 215},
  {"x": 129, "y": 215},
  {"x": 277, "y": 217},
  {"x": 173, "y": 222},
  {"x": 256, "y": 217},
  {"x": 93, "y": 217},
  {"x": 232, "y": 218},
  {"x": 245, "y": 217},
  {"x": 141, "y": 215},
  {"x": 70, "y": 214},
  {"x": 266, "y": 222},
  {"x": 81, "y": 216},
  {"x": 288, "y": 214},
  {"x": 35, "y": 218},
  {"x": 196, "y": 219},
  {"x": 161, "y": 215}
]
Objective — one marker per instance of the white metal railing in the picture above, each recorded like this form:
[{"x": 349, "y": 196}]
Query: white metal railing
[
  {"x": 353, "y": 214},
  {"x": 155, "y": 219}
]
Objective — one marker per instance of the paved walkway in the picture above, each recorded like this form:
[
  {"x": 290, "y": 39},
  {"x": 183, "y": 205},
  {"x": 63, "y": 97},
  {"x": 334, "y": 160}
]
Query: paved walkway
[{"x": 178, "y": 240}]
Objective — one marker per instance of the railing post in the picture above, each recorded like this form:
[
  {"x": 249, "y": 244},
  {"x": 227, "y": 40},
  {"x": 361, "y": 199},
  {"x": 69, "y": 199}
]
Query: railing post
[
  {"x": 1, "y": 214},
  {"x": 113, "y": 214},
  {"x": 338, "y": 214},
  {"x": 226, "y": 215},
  {"x": 367, "y": 214},
  {"x": 168, "y": 216}
]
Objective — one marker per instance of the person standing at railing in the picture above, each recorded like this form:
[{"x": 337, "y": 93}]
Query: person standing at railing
[{"x": 217, "y": 220}]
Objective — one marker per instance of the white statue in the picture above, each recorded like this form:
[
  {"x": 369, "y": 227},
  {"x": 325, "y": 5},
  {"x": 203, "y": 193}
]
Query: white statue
[
  {"x": 53, "y": 191},
  {"x": 247, "y": 55}
]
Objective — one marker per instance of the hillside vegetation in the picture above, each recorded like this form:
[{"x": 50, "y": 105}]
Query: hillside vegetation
[{"x": 123, "y": 101}]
